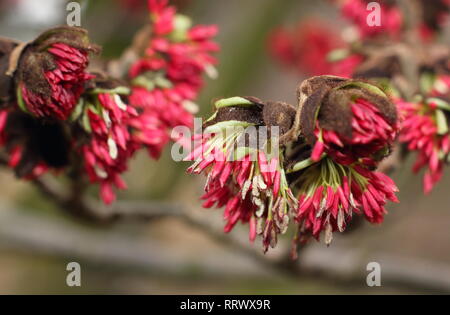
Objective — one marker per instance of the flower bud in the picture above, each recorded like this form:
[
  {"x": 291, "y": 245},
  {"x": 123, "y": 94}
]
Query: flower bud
[
  {"x": 346, "y": 119},
  {"x": 425, "y": 128},
  {"x": 252, "y": 110},
  {"x": 244, "y": 175},
  {"x": 51, "y": 72},
  {"x": 105, "y": 144}
]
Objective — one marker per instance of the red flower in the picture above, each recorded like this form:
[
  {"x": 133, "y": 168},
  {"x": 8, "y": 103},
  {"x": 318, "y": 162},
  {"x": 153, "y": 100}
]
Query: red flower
[
  {"x": 65, "y": 79},
  {"x": 391, "y": 18},
  {"x": 167, "y": 79},
  {"x": 370, "y": 133},
  {"x": 425, "y": 130},
  {"x": 252, "y": 186},
  {"x": 330, "y": 194},
  {"x": 148, "y": 130},
  {"x": 307, "y": 47},
  {"x": 109, "y": 146}
]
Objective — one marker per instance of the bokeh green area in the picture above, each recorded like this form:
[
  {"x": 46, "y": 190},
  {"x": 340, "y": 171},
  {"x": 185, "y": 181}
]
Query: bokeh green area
[{"x": 167, "y": 256}]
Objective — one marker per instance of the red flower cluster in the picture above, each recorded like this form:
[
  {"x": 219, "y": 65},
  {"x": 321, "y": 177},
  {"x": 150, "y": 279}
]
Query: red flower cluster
[
  {"x": 371, "y": 133},
  {"x": 331, "y": 193},
  {"x": 391, "y": 19},
  {"x": 425, "y": 130},
  {"x": 168, "y": 77},
  {"x": 315, "y": 48},
  {"x": 109, "y": 146},
  {"x": 252, "y": 190},
  {"x": 353, "y": 130},
  {"x": 306, "y": 46},
  {"x": 333, "y": 179},
  {"x": 250, "y": 183},
  {"x": 434, "y": 15},
  {"x": 63, "y": 112},
  {"x": 65, "y": 79}
]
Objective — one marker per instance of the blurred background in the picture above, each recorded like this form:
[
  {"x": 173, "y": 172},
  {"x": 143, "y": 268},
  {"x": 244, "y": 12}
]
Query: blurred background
[{"x": 37, "y": 239}]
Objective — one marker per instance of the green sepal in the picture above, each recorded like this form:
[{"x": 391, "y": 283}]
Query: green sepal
[
  {"x": 212, "y": 117},
  {"x": 303, "y": 164},
  {"x": 143, "y": 82},
  {"x": 427, "y": 80},
  {"x": 337, "y": 55},
  {"x": 441, "y": 122},
  {"x": 370, "y": 87},
  {"x": 181, "y": 26},
  {"x": 20, "y": 101},
  {"x": 232, "y": 101},
  {"x": 440, "y": 103},
  {"x": 162, "y": 82},
  {"x": 122, "y": 90},
  {"x": 77, "y": 111}
]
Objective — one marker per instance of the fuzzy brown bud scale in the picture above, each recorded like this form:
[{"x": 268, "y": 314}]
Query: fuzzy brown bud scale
[
  {"x": 7, "y": 46},
  {"x": 257, "y": 112},
  {"x": 51, "y": 72},
  {"x": 329, "y": 100}
]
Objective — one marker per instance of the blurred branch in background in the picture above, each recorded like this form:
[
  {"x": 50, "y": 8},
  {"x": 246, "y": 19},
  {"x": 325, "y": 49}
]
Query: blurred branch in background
[{"x": 341, "y": 265}]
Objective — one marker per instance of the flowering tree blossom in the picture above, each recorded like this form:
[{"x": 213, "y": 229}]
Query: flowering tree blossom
[
  {"x": 167, "y": 77},
  {"x": 58, "y": 115},
  {"x": 347, "y": 128}
]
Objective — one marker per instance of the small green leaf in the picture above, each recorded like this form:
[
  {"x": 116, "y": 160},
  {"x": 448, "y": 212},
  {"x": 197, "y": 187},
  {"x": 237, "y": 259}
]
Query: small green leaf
[
  {"x": 303, "y": 164},
  {"x": 143, "y": 82},
  {"x": 441, "y": 122},
  {"x": 372, "y": 88},
  {"x": 212, "y": 117},
  {"x": 162, "y": 82},
  {"x": 337, "y": 55},
  {"x": 427, "y": 81},
  {"x": 85, "y": 123},
  {"x": 118, "y": 90},
  {"x": 181, "y": 25},
  {"x": 20, "y": 101},
  {"x": 440, "y": 103},
  {"x": 77, "y": 111},
  {"x": 232, "y": 101}
]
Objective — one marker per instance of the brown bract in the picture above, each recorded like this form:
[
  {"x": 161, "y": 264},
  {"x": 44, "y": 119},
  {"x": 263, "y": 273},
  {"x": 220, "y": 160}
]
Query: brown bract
[
  {"x": 279, "y": 114},
  {"x": 7, "y": 46},
  {"x": 251, "y": 115},
  {"x": 261, "y": 113},
  {"x": 329, "y": 99},
  {"x": 103, "y": 81},
  {"x": 35, "y": 60}
]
